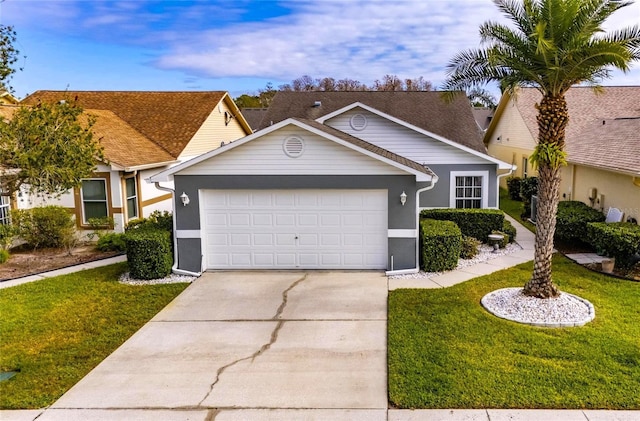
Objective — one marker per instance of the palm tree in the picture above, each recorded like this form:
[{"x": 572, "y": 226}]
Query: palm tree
[{"x": 551, "y": 46}]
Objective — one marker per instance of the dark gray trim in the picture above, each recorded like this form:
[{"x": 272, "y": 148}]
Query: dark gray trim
[
  {"x": 399, "y": 217},
  {"x": 438, "y": 197}
]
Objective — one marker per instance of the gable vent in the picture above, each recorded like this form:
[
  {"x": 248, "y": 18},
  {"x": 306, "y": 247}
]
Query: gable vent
[
  {"x": 358, "y": 122},
  {"x": 293, "y": 146}
]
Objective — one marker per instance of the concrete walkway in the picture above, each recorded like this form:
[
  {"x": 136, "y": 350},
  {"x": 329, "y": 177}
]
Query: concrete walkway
[{"x": 310, "y": 348}]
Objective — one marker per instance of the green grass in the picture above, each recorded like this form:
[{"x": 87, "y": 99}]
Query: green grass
[
  {"x": 56, "y": 330},
  {"x": 446, "y": 351},
  {"x": 514, "y": 209}
]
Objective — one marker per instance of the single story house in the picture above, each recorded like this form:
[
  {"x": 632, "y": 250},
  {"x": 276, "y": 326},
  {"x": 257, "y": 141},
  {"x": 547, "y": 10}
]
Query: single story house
[
  {"x": 142, "y": 133},
  {"x": 331, "y": 180},
  {"x": 602, "y": 143}
]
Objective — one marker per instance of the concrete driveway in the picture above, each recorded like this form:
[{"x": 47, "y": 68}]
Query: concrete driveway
[{"x": 249, "y": 345}]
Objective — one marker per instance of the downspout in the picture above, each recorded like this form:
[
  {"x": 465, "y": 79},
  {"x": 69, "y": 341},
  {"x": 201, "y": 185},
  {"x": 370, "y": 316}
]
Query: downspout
[
  {"x": 174, "y": 268},
  {"x": 498, "y": 177},
  {"x": 434, "y": 180}
]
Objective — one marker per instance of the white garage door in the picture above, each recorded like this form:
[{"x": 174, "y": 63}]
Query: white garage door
[{"x": 295, "y": 229}]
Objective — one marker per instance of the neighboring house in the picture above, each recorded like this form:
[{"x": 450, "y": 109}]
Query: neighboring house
[
  {"x": 6, "y": 112},
  {"x": 254, "y": 116},
  {"x": 7, "y": 98},
  {"x": 604, "y": 157},
  {"x": 142, "y": 133},
  {"x": 333, "y": 180}
]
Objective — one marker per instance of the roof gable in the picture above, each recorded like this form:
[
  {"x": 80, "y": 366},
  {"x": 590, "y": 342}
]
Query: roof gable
[
  {"x": 422, "y": 173},
  {"x": 425, "y": 110},
  {"x": 433, "y": 136},
  {"x": 169, "y": 119}
]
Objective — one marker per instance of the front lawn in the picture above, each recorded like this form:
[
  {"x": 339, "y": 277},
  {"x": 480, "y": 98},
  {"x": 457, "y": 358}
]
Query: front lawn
[
  {"x": 446, "y": 351},
  {"x": 54, "y": 331}
]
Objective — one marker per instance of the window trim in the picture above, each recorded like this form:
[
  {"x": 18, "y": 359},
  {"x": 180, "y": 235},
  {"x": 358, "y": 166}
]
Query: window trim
[
  {"x": 126, "y": 198},
  {"x": 485, "y": 186},
  {"x": 525, "y": 166},
  {"x": 79, "y": 205},
  {"x": 5, "y": 210}
]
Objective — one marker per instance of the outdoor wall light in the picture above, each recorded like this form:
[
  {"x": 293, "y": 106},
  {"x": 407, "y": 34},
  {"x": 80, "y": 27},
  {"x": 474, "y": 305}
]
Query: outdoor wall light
[
  {"x": 185, "y": 199},
  {"x": 403, "y": 198}
]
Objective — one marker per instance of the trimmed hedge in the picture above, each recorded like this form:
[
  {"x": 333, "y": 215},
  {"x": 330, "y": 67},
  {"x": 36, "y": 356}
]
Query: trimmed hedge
[
  {"x": 157, "y": 220},
  {"x": 620, "y": 240},
  {"x": 149, "y": 253},
  {"x": 476, "y": 223},
  {"x": 572, "y": 219},
  {"x": 440, "y": 245},
  {"x": 513, "y": 187}
]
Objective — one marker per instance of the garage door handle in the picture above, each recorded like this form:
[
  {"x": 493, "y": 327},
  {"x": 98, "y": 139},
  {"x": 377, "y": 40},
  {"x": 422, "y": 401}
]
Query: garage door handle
[{"x": 296, "y": 237}]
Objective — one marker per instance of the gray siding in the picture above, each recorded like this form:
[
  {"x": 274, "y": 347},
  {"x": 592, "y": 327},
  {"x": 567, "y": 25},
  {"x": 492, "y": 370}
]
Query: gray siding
[
  {"x": 399, "y": 217},
  {"x": 438, "y": 197}
]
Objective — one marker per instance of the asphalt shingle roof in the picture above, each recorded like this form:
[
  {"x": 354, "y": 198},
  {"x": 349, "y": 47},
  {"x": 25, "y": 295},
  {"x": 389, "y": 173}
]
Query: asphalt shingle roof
[
  {"x": 425, "y": 110},
  {"x": 170, "y": 119},
  {"x": 584, "y": 106},
  {"x": 612, "y": 144}
]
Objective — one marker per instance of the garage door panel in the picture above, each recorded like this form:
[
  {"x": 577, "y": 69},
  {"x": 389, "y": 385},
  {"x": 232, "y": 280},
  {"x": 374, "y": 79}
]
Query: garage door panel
[
  {"x": 314, "y": 229},
  {"x": 287, "y": 219},
  {"x": 261, "y": 219},
  {"x": 263, "y": 259}
]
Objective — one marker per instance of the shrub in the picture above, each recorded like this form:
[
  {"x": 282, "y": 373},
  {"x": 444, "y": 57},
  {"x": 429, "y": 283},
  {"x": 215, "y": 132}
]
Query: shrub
[
  {"x": 440, "y": 243},
  {"x": 149, "y": 253},
  {"x": 469, "y": 247},
  {"x": 510, "y": 230},
  {"x": 46, "y": 227},
  {"x": 528, "y": 188},
  {"x": 7, "y": 235},
  {"x": 572, "y": 219},
  {"x": 157, "y": 220},
  {"x": 620, "y": 240},
  {"x": 111, "y": 241},
  {"x": 477, "y": 223},
  {"x": 513, "y": 187},
  {"x": 4, "y": 255}
]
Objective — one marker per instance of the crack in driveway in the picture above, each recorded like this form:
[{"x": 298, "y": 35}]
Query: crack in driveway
[{"x": 263, "y": 348}]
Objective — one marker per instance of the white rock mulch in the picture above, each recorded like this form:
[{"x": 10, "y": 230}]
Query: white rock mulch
[
  {"x": 566, "y": 310},
  {"x": 485, "y": 252},
  {"x": 171, "y": 279}
]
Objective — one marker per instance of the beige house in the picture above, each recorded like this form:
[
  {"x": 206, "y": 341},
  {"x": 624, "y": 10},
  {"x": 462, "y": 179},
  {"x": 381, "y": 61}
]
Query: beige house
[
  {"x": 142, "y": 133},
  {"x": 8, "y": 98},
  {"x": 604, "y": 159}
]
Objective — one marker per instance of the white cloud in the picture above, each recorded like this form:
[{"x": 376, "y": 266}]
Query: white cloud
[{"x": 362, "y": 40}]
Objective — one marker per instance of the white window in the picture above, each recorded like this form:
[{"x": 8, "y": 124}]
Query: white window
[
  {"x": 525, "y": 167},
  {"x": 131, "y": 190},
  {"x": 469, "y": 189},
  {"x": 94, "y": 199},
  {"x": 5, "y": 210}
]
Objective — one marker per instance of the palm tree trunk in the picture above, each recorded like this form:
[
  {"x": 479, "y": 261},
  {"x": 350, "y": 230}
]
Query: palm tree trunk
[{"x": 552, "y": 122}]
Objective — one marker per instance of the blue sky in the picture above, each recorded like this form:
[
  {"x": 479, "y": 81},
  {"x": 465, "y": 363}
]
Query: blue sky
[{"x": 240, "y": 45}]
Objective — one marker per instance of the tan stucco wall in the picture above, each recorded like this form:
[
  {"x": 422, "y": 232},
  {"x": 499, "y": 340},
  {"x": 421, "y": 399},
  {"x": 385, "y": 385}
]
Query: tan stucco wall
[
  {"x": 511, "y": 140},
  {"x": 618, "y": 189}
]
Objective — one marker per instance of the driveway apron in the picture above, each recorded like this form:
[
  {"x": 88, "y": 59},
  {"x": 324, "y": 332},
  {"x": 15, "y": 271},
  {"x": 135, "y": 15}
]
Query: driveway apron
[{"x": 250, "y": 345}]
